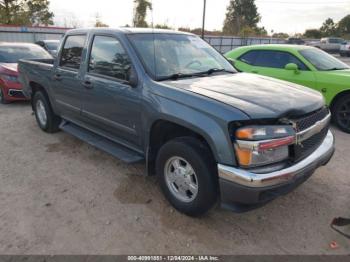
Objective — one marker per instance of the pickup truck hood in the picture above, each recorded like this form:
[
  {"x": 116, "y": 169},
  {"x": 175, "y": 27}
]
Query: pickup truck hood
[{"x": 257, "y": 96}]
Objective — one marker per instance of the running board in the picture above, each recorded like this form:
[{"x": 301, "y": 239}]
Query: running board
[{"x": 102, "y": 143}]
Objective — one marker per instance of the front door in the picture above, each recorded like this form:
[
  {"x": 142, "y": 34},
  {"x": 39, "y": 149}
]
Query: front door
[
  {"x": 272, "y": 63},
  {"x": 110, "y": 104}
]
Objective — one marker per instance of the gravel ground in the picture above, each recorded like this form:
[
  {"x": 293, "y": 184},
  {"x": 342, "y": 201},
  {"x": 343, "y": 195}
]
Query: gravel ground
[{"x": 59, "y": 195}]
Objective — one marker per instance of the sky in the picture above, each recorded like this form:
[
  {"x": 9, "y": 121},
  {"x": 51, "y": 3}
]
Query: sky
[{"x": 290, "y": 16}]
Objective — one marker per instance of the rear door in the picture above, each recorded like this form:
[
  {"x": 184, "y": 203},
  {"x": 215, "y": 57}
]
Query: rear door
[
  {"x": 111, "y": 105},
  {"x": 272, "y": 63},
  {"x": 67, "y": 77}
]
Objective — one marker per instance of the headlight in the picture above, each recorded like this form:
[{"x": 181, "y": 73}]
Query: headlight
[
  {"x": 9, "y": 78},
  {"x": 263, "y": 145}
]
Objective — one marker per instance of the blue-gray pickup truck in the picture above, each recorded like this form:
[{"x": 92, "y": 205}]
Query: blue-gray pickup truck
[{"x": 169, "y": 99}]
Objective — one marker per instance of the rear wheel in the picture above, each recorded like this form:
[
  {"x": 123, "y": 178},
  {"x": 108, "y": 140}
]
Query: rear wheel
[
  {"x": 341, "y": 113},
  {"x": 45, "y": 117},
  {"x": 2, "y": 97},
  {"x": 187, "y": 175}
]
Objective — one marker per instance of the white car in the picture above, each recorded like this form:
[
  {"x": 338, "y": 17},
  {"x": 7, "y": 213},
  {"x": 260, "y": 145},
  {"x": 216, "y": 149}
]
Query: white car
[
  {"x": 330, "y": 44},
  {"x": 345, "y": 49}
]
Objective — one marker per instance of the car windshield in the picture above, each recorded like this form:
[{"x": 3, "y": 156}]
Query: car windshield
[
  {"x": 336, "y": 40},
  {"x": 11, "y": 54},
  {"x": 322, "y": 61},
  {"x": 168, "y": 56},
  {"x": 52, "y": 45}
]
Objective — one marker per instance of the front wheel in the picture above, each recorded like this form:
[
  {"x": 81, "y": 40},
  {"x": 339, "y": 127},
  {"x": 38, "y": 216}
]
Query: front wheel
[
  {"x": 45, "y": 117},
  {"x": 341, "y": 113},
  {"x": 188, "y": 177}
]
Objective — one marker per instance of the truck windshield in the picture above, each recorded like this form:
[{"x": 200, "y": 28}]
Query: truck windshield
[
  {"x": 11, "y": 54},
  {"x": 172, "y": 56},
  {"x": 322, "y": 61}
]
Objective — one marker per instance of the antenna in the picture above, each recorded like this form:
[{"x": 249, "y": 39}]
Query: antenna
[
  {"x": 203, "y": 24},
  {"x": 154, "y": 42}
]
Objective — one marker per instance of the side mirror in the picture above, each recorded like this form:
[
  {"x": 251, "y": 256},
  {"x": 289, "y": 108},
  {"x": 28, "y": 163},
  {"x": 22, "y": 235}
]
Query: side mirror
[
  {"x": 133, "y": 79},
  {"x": 292, "y": 67}
]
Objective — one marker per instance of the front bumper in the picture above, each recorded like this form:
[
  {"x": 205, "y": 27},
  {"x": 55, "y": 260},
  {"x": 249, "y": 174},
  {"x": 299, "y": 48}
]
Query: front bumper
[
  {"x": 241, "y": 187},
  {"x": 13, "y": 91}
]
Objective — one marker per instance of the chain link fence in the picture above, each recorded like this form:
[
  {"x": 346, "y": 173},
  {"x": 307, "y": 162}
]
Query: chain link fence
[{"x": 226, "y": 43}]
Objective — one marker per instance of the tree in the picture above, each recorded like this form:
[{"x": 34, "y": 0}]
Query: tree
[
  {"x": 241, "y": 14},
  {"x": 11, "y": 12},
  {"x": 280, "y": 35},
  {"x": 313, "y": 33},
  {"x": 98, "y": 22},
  {"x": 162, "y": 26},
  {"x": 344, "y": 25},
  {"x": 329, "y": 28},
  {"x": 24, "y": 12},
  {"x": 140, "y": 12}
]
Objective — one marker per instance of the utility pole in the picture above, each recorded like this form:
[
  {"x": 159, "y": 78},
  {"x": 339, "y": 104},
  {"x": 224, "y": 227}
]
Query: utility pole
[{"x": 203, "y": 24}]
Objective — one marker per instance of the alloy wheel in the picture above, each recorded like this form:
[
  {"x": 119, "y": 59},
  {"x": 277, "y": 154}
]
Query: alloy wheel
[{"x": 181, "y": 179}]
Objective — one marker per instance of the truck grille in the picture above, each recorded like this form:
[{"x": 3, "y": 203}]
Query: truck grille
[
  {"x": 310, "y": 120},
  {"x": 305, "y": 148}
]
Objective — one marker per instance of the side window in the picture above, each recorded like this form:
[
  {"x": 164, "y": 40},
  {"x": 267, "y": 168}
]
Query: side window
[
  {"x": 72, "y": 51},
  {"x": 249, "y": 57},
  {"x": 277, "y": 59},
  {"x": 109, "y": 58}
]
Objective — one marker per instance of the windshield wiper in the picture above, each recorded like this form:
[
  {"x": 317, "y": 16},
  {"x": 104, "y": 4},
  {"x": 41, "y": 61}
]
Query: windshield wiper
[
  {"x": 175, "y": 76},
  {"x": 212, "y": 70}
]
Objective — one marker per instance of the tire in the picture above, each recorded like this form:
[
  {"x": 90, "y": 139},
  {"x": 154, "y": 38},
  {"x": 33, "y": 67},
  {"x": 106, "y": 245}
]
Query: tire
[
  {"x": 191, "y": 153},
  {"x": 341, "y": 113},
  {"x": 45, "y": 117},
  {"x": 2, "y": 97},
  {"x": 342, "y": 54}
]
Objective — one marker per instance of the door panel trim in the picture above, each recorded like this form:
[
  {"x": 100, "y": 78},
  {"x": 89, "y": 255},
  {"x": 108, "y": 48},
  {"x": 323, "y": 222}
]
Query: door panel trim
[
  {"x": 110, "y": 123},
  {"x": 64, "y": 104}
]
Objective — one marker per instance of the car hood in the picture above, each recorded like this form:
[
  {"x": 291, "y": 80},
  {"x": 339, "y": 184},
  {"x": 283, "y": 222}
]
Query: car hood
[
  {"x": 257, "y": 96},
  {"x": 9, "y": 66}
]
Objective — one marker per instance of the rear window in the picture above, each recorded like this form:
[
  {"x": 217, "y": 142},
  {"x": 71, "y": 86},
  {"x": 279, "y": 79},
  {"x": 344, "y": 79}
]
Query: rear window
[
  {"x": 11, "y": 54},
  {"x": 72, "y": 51}
]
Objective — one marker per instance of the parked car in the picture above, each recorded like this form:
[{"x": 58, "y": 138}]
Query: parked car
[
  {"x": 345, "y": 49},
  {"x": 50, "y": 46},
  {"x": 295, "y": 41},
  {"x": 10, "y": 53},
  {"x": 330, "y": 44},
  {"x": 170, "y": 99},
  {"x": 302, "y": 65}
]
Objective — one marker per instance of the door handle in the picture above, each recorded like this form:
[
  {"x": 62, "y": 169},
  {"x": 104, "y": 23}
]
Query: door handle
[
  {"x": 57, "y": 77},
  {"x": 87, "y": 84}
]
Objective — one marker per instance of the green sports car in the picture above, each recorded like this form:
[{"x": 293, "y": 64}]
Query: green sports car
[{"x": 303, "y": 65}]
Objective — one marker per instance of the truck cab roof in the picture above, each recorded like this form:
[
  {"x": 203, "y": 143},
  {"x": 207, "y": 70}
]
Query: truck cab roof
[{"x": 125, "y": 30}]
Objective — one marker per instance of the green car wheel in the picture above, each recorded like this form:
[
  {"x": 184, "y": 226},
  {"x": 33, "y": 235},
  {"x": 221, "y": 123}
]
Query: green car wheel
[{"x": 341, "y": 113}]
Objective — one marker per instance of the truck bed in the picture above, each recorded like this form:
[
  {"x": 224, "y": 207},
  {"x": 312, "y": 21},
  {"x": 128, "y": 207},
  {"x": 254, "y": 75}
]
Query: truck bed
[{"x": 37, "y": 70}]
